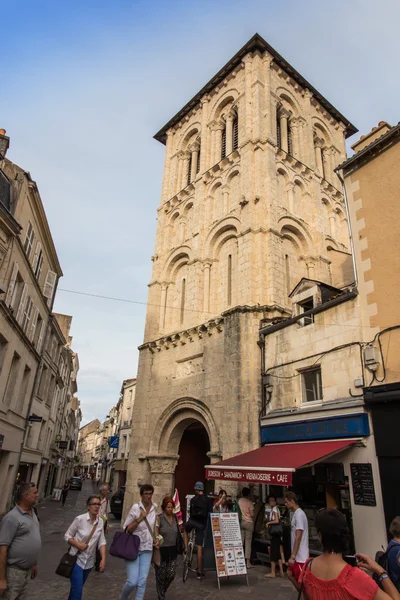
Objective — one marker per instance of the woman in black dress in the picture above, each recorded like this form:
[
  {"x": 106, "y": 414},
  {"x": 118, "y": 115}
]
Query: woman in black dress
[{"x": 276, "y": 537}]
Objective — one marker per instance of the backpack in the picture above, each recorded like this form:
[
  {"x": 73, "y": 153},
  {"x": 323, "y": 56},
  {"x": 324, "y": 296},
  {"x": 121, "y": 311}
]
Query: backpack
[
  {"x": 198, "y": 508},
  {"x": 382, "y": 558}
]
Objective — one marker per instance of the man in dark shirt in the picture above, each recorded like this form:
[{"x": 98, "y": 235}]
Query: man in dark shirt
[{"x": 200, "y": 506}]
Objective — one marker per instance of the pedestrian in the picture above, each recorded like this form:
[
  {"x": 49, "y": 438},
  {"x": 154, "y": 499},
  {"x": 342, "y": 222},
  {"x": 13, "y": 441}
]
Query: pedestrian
[
  {"x": 199, "y": 508},
  {"x": 20, "y": 544},
  {"x": 167, "y": 527},
  {"x": 275, "y": 530},
  {"x": 64, "y": 491},
  {"x": 299, "y": 538},
  {"x": 104, "y": 514},
  {"x": 141, "y": 520},
  {"x": 84, "y": 535},
  {"x": 329, "y": 577},
  {"x": 393, "y": 552},
  {"x": 221, "y": 505},
  {"x": 246, "y": 524}
]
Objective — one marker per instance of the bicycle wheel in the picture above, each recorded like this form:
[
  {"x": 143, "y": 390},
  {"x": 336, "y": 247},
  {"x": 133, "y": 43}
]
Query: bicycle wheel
[{"x": 187, "y": 562}]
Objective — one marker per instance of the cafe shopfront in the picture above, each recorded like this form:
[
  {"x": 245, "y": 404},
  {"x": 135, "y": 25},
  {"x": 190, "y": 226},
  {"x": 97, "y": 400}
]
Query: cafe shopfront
[{"x": 328, "y": 462}]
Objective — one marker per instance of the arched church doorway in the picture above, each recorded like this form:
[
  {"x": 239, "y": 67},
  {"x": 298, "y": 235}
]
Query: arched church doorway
[{"x": 193, "y": 449}]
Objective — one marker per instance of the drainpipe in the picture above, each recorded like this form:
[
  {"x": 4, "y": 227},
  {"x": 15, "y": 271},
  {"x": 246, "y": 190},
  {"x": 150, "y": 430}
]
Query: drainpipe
[{"x": 346, "y": 203}]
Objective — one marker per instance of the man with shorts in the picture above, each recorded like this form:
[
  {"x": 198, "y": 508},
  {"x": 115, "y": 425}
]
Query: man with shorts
[
  {"x": 299, "y": 539},
  {"x": 198, "y": 513}
]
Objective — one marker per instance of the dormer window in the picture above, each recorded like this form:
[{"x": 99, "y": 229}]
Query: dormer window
[{"x": 305, "y": 306}]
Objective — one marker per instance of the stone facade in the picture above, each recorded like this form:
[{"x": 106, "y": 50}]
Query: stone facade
[
  {"x": 250, "y": 204},
  {"x": 36, "y": 363}
]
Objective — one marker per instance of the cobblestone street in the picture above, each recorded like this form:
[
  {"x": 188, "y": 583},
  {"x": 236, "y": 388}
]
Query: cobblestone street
[{"x": 48, "y": 586}]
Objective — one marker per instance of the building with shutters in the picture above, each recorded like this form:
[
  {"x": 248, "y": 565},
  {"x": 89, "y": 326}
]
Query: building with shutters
[
  {"x": 250, "y": 204},
  {"x": 31, "y": 340}
]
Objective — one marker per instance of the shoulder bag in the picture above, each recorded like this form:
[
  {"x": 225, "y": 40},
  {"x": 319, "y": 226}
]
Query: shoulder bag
[
  {"x": 308, "y": 564},
  {"x": 156, "y": 558},
  {"x": 68, "y": 561}
]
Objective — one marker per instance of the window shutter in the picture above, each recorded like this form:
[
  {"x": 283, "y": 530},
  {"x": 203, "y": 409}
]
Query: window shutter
[
  {"x": 22, "y": 303},
  {"x": 189, "y": 169},
  {"x": 278, "y": 132},
  {"x": 36, "y": 256},
  {"x": 198, "y": 161},
  {"x": 31, "y": 333},
  {"x": 236, "y": 133},
  {"x": 40, "y": 338},
  {"x": 49, "y": 286},
  {"x": 11, "y": 285},
  {"x": 289, "y": 138},
  {"x": 223, "y": 143}
]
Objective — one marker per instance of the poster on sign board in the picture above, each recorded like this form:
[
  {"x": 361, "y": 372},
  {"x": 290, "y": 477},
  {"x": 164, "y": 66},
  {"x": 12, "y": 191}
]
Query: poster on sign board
[{"x": 228, "y": 548}]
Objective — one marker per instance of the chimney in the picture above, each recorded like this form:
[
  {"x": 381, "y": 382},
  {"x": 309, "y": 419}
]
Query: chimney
[
  {"x": 4, "y": 142},
  {"x": 372, "y": 136}
]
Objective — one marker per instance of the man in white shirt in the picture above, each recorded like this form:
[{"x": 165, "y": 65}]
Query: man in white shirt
[
  {"x": 85, "y": 534},
  {"x": 299, "y": 538}
]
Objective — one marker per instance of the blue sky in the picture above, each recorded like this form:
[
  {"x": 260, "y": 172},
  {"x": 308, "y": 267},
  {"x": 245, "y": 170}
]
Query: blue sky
[{"x": 85, "y": 84}]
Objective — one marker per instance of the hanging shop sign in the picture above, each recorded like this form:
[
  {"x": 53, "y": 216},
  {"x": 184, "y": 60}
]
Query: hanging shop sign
[
  {"x": 258, "y": 475},
  {"x": 63, "y": 445},
  {"x": 363, "y": 484},
  {"x": 35, "y": 419},
  {"x": 344, "y": 426},
  {"x": 114, "y": 441}
]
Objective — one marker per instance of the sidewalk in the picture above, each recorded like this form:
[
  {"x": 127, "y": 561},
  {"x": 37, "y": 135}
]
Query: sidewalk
[{"x": 48, "y": 586}]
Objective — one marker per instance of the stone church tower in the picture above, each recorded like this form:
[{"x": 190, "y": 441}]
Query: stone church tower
[{"x": 249, "y": 205}]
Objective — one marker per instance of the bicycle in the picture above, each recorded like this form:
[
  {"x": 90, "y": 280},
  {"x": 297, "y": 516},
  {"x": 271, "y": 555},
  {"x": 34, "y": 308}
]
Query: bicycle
[{"x": 187, "y": 561}]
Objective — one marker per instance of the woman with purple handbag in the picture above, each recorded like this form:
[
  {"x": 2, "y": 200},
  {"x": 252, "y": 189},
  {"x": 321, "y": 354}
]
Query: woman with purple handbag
[{"x": 141, "y": 521}]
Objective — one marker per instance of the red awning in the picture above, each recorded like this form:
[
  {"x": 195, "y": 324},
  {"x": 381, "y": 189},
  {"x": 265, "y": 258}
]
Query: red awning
[{"x": 274, "y": 463}]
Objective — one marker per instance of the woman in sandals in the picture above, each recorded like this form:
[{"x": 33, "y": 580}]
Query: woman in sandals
[
  {"x": 85, "y": 535},
  {"x": 274, "y": 518},
  {"x": 141, "y": 521},
  {"x": 167, "y": 528}
]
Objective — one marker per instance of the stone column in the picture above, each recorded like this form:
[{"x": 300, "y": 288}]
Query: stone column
[
  {"x": 206, "y": 287},
  {"x": 185, "y": 171},
  {"x": 163, "y": 298},
  {"x": 194, "y": 149},
  {"x": 205, "y": 156},
  {"x": 283, "y": 121},
  {"x": 310, "y": 270},
  {"x": 212, "y": 147},
  {"x": 290, "y": 196},
  {"x": 229, "y": 132},
  {"x": 318, "y": 143},
  {"x": 179, "y": 176},
  {"x": 218, "y": 142},
  {"x": 248, "y": 75},
  {"x": 332, "y": 224},
  {"x": 182, "y": 227},
  {"x": 225, "y": 195}
]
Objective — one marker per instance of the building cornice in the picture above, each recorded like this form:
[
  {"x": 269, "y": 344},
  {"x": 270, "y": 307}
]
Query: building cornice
[{"x": 213, "y": 326}]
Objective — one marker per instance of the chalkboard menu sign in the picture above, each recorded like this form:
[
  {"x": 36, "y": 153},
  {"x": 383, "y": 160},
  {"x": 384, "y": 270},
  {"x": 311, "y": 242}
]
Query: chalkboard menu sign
[{"x": 363, "y": 484}]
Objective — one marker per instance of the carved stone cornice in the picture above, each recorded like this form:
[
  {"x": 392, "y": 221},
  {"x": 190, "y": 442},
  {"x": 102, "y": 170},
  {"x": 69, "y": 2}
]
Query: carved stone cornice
[
  {"x": 291, "y": 161},
  {"x": 181, "y": 338}
]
